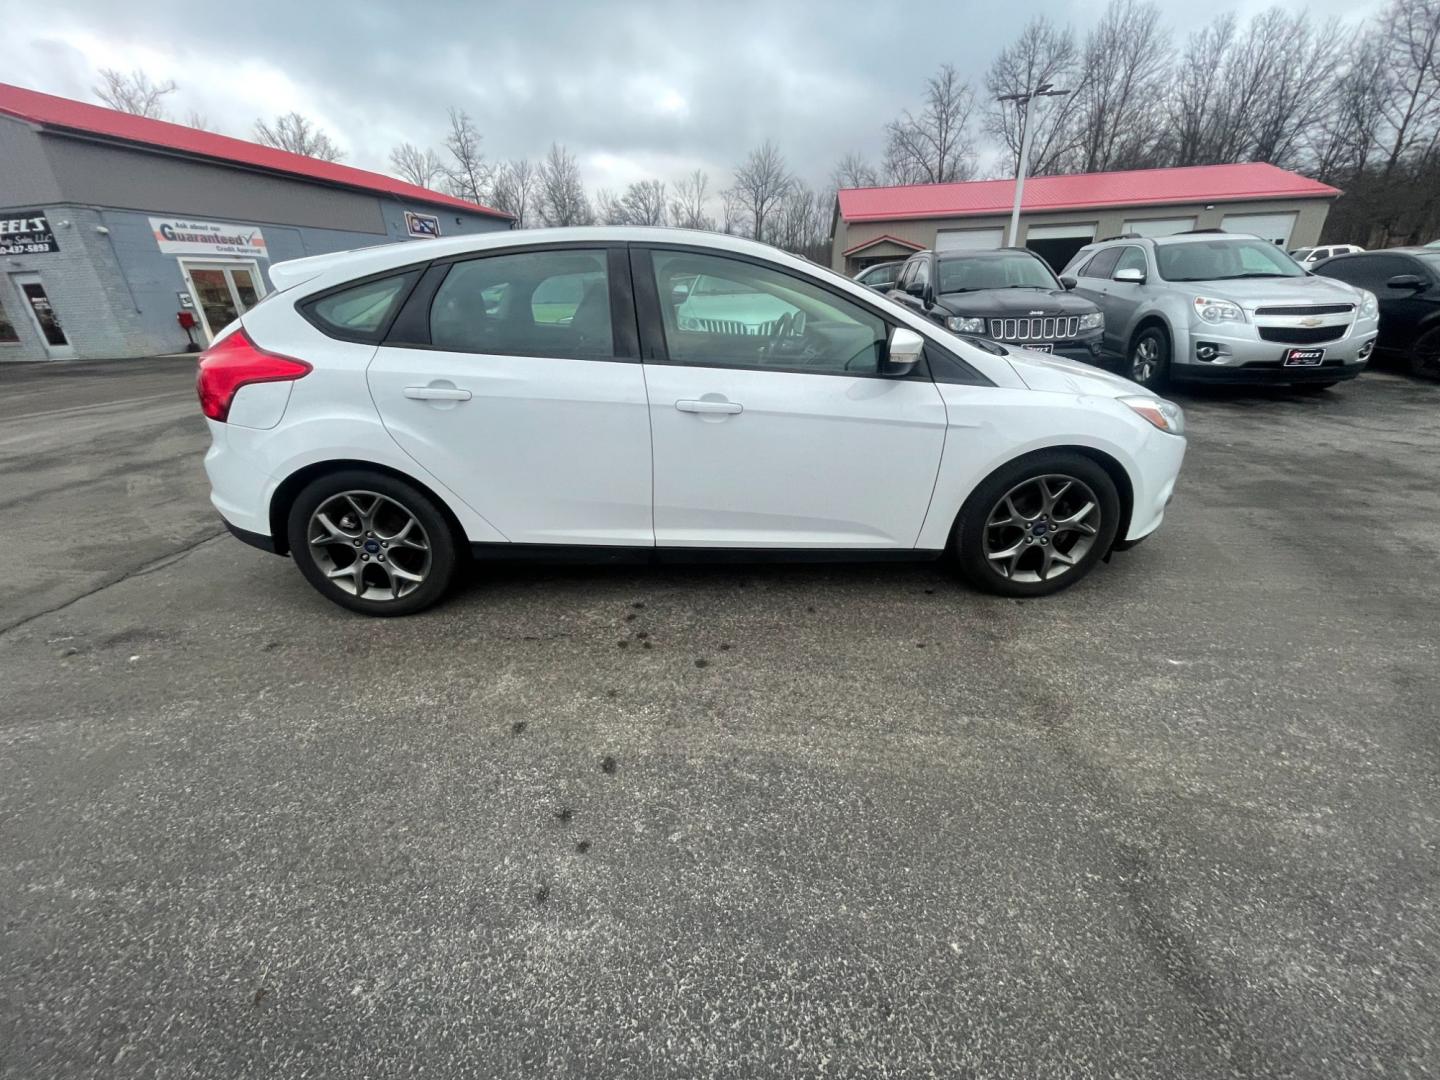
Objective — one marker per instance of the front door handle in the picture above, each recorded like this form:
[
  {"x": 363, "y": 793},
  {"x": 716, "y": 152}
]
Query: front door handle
[
  {"x": 437, "y": 393},
  {"x": 710, "y": 406}
]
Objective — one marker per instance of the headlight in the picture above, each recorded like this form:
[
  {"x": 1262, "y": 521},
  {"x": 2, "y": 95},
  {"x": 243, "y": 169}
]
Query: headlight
[
  {"x": 1218, "y": 311},
  {"x": 964, "y": 324},
  {"x": 1369, "y": 306},
  {"x": 689, "y": 322},
  {"x": 1094, "y": 321},
  {"x": 1165, "y": 415}
]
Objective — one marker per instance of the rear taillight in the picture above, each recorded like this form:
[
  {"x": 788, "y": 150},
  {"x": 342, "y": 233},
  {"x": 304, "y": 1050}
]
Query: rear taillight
[{"x": 235, "y": 362}]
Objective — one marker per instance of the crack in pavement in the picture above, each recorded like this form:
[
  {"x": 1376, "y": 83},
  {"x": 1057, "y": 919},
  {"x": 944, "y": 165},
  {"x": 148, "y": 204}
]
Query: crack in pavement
[{"x": 139, "y": 571}]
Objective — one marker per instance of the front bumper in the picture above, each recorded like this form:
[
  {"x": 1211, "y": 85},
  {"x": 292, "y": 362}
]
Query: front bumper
[{"x": 1237, "y": 354}]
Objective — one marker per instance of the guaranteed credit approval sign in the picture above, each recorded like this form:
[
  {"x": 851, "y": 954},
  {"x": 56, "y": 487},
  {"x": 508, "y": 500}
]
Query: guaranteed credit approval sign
[{"x": 181, "y": 236}]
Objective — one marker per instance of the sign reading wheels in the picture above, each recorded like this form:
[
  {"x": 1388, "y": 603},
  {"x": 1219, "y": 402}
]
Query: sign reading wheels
[
  {"x": 26, "y": 233},
  {"x": 180, "y": 237}
]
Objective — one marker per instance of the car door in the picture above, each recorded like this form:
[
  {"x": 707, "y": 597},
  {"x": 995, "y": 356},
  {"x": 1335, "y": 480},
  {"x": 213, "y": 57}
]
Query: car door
[
  {"x": 1398, "y": 307},
  {"x": 515, "y": 379},
  {"x": 777, "y": 431},
  {"x": 1092, "y": 280},
  {"x": 1123, "y": 298}
]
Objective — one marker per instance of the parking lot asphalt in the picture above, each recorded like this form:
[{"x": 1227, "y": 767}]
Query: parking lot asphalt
[{"x": 1181, "y": 820}]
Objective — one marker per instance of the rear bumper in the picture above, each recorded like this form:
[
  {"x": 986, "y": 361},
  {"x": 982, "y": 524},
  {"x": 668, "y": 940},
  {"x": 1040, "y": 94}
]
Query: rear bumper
[{"x": 254, "y": 539}]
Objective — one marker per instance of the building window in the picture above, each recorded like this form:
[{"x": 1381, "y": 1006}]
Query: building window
[{"x": 8, "y": 336}]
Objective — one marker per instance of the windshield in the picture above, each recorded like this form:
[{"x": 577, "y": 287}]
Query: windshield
[
  {"x": 1223, "y": 259},
  {"x": 1018, "y": 271}
]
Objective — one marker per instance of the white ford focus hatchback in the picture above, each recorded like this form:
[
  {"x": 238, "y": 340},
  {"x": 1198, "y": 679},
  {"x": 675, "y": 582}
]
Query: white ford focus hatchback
[{"x": 652, "y": 394}]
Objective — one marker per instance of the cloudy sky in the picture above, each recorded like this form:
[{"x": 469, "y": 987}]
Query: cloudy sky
[{"x": 633, "y": 88}]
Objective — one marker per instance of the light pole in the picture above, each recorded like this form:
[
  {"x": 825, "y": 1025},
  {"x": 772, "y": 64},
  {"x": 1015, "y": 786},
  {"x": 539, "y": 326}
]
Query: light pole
[{"x": 1022, "y": 102}]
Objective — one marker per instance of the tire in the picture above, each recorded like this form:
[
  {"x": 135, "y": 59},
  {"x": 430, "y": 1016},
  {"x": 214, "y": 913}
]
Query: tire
[
  {"x": 1011, "y": 559},
  {"x": 1151, "y": 370},
  {"x": 1424, "y": 356},
  {"x": 405, "y": 542}
]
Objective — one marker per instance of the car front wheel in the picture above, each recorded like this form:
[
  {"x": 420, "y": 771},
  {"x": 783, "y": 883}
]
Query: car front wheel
[
  {"x": 1425, "y": 356},
  {"x": 1149, "y": 360},
  {"x": 372, "y": 543},
  {"x": 1038, "y": 525}
]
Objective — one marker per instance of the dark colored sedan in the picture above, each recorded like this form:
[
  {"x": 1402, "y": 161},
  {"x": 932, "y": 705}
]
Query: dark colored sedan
[{"x": 1406, "y": 281}]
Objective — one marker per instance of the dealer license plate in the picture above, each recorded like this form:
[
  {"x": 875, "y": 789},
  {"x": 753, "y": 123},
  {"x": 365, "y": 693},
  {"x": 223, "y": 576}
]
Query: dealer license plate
[{"x": 1304, "y": 357}]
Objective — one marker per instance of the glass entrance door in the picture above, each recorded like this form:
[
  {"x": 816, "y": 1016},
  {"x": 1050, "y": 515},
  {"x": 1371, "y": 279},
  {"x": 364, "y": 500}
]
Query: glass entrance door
[
  {"x": 44, "y": 316},
  {"x": 223, "y": 292}
]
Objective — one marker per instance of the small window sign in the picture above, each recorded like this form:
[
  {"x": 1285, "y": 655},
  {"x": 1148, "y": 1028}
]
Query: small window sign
[
  {"x": 422, "y": 225},
  {"x": 186, "y": 300}
]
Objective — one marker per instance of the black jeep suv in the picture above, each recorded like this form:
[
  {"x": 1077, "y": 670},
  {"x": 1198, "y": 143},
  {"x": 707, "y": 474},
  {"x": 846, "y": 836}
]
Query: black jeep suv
[{"x": 1009, "y": 295}]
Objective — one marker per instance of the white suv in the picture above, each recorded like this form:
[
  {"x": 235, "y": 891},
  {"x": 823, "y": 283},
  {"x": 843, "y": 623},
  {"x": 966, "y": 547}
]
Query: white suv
[{"x": 393, "y": 410}]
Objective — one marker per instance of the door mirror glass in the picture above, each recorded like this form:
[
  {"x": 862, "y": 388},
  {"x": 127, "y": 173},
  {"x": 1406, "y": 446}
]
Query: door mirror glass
[
  {"x": 916, "y": 289},
  {"x": 1130, "y": 275},
  {"x": 1405, "y": 281},
  {"x": 1068, "y": 282},
  {"x": 904, "y": 351}
]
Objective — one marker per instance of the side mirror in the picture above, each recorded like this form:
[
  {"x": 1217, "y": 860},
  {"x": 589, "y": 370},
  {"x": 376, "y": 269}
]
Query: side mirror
[
  {"x": 916, "y": 289},
  {"x": 1067, "y": 282},
  {"x": 1130, "y": 276},
  {"x": 680, "y": 293},
  {"x": 1406, "y": 281},
  {"x": 902, "y": 353}
]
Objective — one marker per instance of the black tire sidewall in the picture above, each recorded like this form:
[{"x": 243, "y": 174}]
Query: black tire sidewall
[
  {"x": 1162, "y": 369},
  {"x": 1416, "y": 361},
  {"x": 969, "y": 533},
  {"x": 440, "y": 533}
]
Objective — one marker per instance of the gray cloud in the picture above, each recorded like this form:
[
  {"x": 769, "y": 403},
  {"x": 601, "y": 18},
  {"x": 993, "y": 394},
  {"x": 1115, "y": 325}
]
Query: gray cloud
[{"x": 634, "y": 88}]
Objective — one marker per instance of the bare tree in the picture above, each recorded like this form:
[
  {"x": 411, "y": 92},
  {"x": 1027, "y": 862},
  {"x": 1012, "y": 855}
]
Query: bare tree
[
  {"x": 1126, "y": 66},
  {"x": 198, "y": 120},
  {"x": 853, "y": 171},
  {"x": 297, "y": 134},
  {"x": 934, "y": 147},
  {"x": 514, "y": 190},
  {"x": 609, "y": 210},
  {"x": 1194, "y": 112},
  {"x": 1043, "y": 53},
  {"x": 761, "y": 181},
  {"x": 134, "y": 93},
  {"x": 467, "y": 174},
  {"x": 1298, "y": 90},
  {"x": 732, "y": 212},
  {"x": 644, "y": 202},
  {"x": 687, "y": 209},
  {"x": 800, "y": 222},
  {"x": 419, "y": 167},
  {"x": 562, "y": 194},
  {"x": 1412, "y": 48}
]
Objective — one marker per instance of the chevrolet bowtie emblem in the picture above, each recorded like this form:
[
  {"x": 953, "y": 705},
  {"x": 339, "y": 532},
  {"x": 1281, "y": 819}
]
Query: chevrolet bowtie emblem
[{"x": 1311, "y": 320}]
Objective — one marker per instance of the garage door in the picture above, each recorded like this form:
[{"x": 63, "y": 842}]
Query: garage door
[
  {"x": 1166, "y": 226},
  {"x": 1273, "y": 227},
  {"x": 969, "y": 239},
  {"x": 1057, "y": 244}
]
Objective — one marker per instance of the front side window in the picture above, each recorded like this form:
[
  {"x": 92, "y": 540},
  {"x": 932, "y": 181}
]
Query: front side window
[
  {"x": 1010, "y": 271},
  {"x": 534, "y": 303},
  {"x": 742, "y": 314},
  {"x": 1103, "y": 265},
  {"x": 1222, "y": 260},
  {"x": 1131, "y": 258}
]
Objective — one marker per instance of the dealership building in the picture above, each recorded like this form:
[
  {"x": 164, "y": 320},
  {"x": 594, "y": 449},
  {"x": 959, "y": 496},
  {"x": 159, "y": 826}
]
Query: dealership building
[
  {"x": 116, "y": 231},
  {"x": 1061, "y": 214}
]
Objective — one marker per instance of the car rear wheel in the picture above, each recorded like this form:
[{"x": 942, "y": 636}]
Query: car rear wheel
[
  {"x": 372, "y": 543},
  {"x": 1425, "y": 356},
  {"x": 1149, "y": 361},
  {"x": 1038, "y": 525}
]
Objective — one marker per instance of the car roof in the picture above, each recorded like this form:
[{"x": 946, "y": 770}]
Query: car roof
[
  {"x": 361, "y": 262},
  {"x": 984, "y": 253}
]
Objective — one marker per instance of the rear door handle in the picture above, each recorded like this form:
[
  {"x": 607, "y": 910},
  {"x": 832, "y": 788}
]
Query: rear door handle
[
  {"x": 710, "y": 406},
  {"x": 437, "y": 393}
]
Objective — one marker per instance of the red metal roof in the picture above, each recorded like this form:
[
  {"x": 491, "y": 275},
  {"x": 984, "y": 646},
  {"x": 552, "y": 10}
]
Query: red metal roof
[
  {"x": 1141, "y": 187},
  {"x": 880, "y": 240},
  {"x": 63, "y": 113}
]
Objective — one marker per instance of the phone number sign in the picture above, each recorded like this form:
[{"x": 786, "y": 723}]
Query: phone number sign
[{"x": 27, "y": 233}]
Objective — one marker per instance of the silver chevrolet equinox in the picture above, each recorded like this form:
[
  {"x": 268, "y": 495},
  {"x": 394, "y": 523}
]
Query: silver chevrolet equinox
[{"x": 1222, "y": 307}]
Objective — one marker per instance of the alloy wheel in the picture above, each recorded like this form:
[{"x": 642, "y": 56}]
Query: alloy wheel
[
  {"x": 369, "y": 545},
  {"x": 1145, "y": 360},
  {"x": 1042, "y": 528}
]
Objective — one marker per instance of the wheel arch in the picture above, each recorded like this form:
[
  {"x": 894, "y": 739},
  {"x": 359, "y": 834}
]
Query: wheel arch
[
  {"x": 289, "y": 489},
  {"x": 1124, "y": 486}
]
